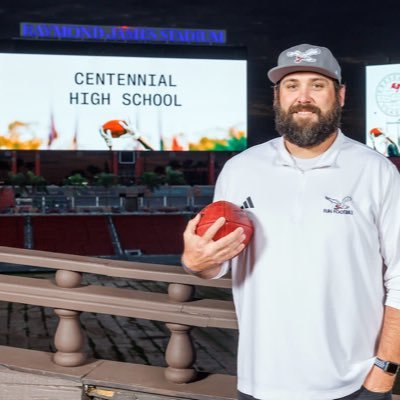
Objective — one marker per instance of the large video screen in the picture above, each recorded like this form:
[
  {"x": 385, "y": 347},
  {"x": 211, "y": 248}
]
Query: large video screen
[
  {"x": 82, "y": 102},
  {"x": 383, "y": 108}
]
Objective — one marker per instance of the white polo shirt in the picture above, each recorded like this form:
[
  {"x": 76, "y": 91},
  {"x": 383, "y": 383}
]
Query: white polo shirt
[{"x": 309, "y": 290}]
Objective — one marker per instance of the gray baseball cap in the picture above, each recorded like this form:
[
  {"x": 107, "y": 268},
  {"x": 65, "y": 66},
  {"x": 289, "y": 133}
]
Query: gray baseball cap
[{"x": 306, "y": 57}]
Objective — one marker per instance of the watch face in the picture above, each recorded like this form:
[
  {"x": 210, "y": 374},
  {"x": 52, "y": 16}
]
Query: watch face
[
  {"x": 388, "y": 95},
  {"x": 391, "y": 368}
]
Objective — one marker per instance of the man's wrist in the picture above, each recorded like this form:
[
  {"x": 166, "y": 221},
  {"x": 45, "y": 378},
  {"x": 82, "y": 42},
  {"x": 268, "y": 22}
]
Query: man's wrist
[
  {"x": 379, "y": 380},
  {"x": 389, "y": 367},
  {"x": 189, "y": 270}
]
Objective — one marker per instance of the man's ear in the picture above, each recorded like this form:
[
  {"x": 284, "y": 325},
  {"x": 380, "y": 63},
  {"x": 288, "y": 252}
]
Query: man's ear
[
  {"x": 342, "y": 94},
  {"x": 276, "y": 93}
]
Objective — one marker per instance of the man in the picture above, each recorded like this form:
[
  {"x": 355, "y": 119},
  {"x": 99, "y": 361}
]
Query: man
[{"x": 317, "y": 291}]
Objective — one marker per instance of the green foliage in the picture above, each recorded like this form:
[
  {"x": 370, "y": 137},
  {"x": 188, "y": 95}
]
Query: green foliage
[
  {"x": 174, "y": 177},
  {"x": 152, "y": 180},
  {"x": 35, "y": 180},
  {"x": 233, "y": 144},
  {"x": 105, "y": 179},
  {"x": 76, "y": 180},
  {"x": 21, "y": 179},
  {"x": 237, "y": 144},
  {"x": 18, "y": 179}
]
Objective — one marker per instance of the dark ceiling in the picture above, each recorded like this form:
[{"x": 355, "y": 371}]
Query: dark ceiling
[{"x": 358, "y": 33}]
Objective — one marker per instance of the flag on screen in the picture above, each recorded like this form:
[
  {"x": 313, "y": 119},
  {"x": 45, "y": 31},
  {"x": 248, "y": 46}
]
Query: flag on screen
[
  {"x": 161, "y": 142},
  {"x": 75, "y": 138},
  {"x": 176, "y": 145},
  {"x": 53, "y": 134},
  {"x": 160, "y": 128}
]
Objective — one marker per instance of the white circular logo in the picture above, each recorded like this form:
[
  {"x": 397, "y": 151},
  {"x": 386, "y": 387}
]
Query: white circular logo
[{"x": 388, "y": 95}]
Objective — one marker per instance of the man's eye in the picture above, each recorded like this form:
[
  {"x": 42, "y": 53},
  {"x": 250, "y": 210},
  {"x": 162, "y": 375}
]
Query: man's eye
[
  {"x": 318, "y": 85},
  {"x": 291, "y": 86}
]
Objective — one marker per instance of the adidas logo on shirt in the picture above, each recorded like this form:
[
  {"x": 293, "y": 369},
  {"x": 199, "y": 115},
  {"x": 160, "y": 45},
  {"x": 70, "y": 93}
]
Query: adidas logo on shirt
[{"x": 248, "y": 203}]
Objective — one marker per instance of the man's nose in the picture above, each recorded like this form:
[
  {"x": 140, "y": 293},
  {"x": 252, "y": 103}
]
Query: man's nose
[{"x": 304, "y": 95}]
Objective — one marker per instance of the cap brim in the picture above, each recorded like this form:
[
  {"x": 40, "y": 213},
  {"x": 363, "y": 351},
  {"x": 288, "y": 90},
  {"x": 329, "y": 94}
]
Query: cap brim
[{"x": 277, "y": 73}]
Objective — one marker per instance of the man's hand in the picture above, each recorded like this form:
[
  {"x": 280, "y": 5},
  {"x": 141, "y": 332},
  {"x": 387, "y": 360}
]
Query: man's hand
[
  {"x": 130, "y": 129},
  {"x": 202, "y": 253},
  {"x": 106, "y": 135},
  {"x": 388, "y": 349}
]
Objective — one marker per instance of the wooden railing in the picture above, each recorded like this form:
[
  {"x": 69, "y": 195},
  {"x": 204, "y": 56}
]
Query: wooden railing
[{"x": 69, "y": 297}]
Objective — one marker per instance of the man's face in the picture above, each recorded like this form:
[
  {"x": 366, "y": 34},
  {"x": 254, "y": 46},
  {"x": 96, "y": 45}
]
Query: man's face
[{"x": 307, "y": 108}]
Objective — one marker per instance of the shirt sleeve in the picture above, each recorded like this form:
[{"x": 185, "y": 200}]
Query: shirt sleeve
[{"x": 389, "y": 232}]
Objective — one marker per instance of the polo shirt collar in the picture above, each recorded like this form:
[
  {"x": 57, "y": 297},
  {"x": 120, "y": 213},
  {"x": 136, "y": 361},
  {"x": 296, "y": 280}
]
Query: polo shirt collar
[{"x": 327, "y": 159}]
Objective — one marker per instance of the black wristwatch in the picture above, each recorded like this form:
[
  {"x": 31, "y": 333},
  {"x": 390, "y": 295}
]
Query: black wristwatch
[{"x": 388, "y": 366}]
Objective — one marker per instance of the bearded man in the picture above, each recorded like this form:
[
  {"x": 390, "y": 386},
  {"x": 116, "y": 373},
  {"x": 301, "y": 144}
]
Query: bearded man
[{"x": 317, "y": 291}]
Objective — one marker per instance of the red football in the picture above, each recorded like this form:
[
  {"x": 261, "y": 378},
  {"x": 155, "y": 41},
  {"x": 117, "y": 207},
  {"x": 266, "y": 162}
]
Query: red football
[
  {"x": 234, "y": 216},
  {"x": 376, "y": 132},
  {"x": 114, "y": 127}
]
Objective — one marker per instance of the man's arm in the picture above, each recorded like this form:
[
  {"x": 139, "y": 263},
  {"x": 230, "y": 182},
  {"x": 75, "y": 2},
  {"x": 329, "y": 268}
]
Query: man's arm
[
  {"x": 202, "y": 256},
  {"x": 388, "y": 349},
  {"x": 388, "y": 222}
]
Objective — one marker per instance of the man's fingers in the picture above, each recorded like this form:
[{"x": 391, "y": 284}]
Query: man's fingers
[
  {"x": 226, "y": 251},
  {"x": 106, "y": 134},
  {"x": 130, "y": 129},
  {"x": 236, "y": 251},
  {"x": 192, "y": 224},
  {"x": 235, "y": 236},
  {"x": 214, "y": 228},
  {"x": 124, "y": 124}
]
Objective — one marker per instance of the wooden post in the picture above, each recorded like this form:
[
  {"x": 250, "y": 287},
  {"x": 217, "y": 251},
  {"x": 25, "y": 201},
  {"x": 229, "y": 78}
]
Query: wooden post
[
  {"x": 139, "y": 166},
  {"x": 14, "y": 166},
  {"x": 69, "y": 338},
  {"x": 180, "y": 354},
  {"x": 211, "y": 168},
  {"x": 115, "y": 162},
  {"x": 37, "y": 163}
]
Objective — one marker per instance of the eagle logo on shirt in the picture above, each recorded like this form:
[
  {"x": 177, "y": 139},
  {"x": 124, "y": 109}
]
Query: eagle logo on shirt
[
  {"x": 301, "y": 56},
  {"x": 340, "y": 205}
]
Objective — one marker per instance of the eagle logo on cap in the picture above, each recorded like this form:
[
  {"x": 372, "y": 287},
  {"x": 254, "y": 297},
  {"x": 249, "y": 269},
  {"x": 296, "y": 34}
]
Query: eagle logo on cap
[{"x": 301, "y": 56}]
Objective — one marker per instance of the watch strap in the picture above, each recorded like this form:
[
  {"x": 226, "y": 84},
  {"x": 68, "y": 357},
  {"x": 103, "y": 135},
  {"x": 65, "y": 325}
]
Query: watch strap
[{"x": 387, "y": 366}]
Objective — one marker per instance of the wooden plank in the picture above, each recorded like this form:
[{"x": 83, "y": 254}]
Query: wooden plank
[
  {"x": 123, "y": 269},
  {"x": 41, "y": 363},
  {"x": 118, "y": 301},
  {"x": 143, "y": 382},
  {"x": 100, "y": 393},
  {"x": 149, "y": 379},
  {"x": 27, "y": 386},
  {"x": 35, "y": 392}
]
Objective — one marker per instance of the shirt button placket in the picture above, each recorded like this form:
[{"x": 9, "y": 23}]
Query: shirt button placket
[{"x": 300, "y": 197}]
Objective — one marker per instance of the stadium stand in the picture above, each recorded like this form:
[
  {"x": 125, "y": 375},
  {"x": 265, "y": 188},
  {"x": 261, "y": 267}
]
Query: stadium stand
[
  {"x": 202, "y": 195},
  {"x": 82, "y": 235},
  {"x": 12, "y": 231},
  {"x": 151, "y": 234}
]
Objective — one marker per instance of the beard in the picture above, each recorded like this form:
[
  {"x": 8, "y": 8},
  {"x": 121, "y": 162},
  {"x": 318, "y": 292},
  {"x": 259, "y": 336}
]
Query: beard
[{"x": 306, "y": 133}]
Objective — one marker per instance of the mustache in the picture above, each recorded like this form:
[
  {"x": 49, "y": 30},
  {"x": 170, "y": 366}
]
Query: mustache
[{"x": 304, "y": 107}]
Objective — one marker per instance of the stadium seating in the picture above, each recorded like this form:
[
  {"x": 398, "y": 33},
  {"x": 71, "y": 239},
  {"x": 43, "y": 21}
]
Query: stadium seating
[
  {"x": 12, "y": 231},
  {"x": 151, "y": 234},
  {"x": 83, "y": 235}
]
